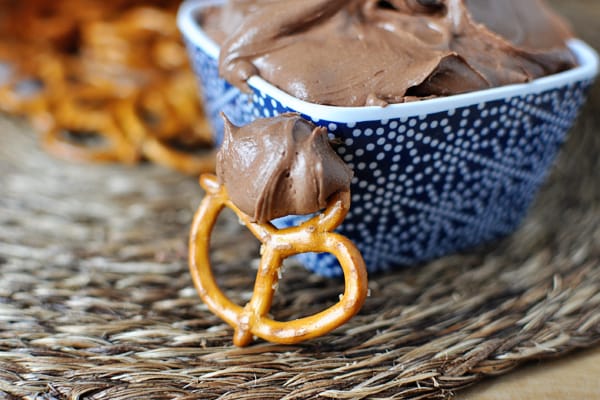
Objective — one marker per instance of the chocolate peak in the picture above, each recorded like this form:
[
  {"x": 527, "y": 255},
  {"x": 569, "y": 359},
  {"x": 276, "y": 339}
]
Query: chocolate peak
[{"x": 280, "y": 166}]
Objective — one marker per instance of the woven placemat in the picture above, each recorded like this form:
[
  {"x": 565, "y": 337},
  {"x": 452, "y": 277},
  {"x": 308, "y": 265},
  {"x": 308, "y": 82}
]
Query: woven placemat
[{"x": 96, "y": 301}]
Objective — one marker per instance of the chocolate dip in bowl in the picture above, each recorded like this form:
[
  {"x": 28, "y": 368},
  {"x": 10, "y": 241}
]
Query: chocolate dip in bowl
[{"x": 433, "y": 176}]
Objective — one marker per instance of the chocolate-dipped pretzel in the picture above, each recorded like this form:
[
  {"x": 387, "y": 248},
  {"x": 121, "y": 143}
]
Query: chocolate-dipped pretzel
[{"x": 276, "y": 167}]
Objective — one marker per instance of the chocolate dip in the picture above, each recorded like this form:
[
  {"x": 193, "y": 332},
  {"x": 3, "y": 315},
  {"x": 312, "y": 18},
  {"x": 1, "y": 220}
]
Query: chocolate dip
[
  {"x": 279, "y": 166},
  {"x": 369, "y": 52}
]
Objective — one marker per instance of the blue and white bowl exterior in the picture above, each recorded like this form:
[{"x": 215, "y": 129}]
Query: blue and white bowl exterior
[{"x": 431, "y": 177}]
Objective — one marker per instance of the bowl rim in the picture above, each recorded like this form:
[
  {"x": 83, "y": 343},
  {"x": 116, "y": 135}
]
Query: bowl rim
[{"x": 587, "y": 57}]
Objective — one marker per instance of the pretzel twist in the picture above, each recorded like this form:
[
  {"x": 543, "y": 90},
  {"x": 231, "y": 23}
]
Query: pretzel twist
[
  {"x": 314, "y": 235},
  {"x": 115, "y": 69}
]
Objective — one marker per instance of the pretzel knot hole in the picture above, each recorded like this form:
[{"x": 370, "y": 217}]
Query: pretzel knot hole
[{"x": 314, "y": 235}]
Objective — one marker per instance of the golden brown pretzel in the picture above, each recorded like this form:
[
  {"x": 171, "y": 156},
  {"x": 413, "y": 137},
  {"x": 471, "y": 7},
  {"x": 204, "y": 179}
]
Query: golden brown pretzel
[
  {"x": 87, "y": 58},
  {"x": 314, "y": 235},
  {"x": 155, "y": 149}
]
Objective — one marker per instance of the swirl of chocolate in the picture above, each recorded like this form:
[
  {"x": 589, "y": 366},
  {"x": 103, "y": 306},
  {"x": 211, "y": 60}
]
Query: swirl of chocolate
[
  {"x": 375, "y": 52},
  {"x": 280, "y": 166}
]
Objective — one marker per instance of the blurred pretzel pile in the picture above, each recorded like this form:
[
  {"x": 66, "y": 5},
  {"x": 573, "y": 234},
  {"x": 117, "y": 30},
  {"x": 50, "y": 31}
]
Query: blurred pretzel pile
[{"x": 103, "y": 81}]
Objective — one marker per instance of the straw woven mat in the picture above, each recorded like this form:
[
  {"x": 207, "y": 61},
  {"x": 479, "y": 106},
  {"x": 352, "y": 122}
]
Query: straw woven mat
[{"x": 96, "y": 301}]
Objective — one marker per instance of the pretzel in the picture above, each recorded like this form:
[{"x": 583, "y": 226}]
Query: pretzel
[
  {"x": 117, "y": 69},
  {"x": 156, "y": 149},
  {"x": 314, "y": 235}
]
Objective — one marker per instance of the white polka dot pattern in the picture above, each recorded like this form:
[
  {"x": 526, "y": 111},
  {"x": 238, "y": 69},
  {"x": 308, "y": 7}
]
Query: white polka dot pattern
[{"x": 426, "y": 185}]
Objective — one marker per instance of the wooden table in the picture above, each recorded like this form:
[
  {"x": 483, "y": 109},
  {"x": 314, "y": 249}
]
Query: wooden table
[{"x": 573, "y": 377}]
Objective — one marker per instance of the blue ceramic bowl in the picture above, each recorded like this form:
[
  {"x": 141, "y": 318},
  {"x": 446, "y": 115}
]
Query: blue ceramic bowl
[{"x": 431, "y": 177}]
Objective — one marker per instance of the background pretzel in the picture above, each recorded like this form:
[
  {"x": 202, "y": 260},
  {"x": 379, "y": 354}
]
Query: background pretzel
[
  {"x": 104, "y": 81},
  {"x": 314, "y": 235}
]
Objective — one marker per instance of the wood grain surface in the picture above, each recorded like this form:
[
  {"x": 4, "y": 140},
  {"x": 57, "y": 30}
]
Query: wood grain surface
[{"x": 573, "y": 377}]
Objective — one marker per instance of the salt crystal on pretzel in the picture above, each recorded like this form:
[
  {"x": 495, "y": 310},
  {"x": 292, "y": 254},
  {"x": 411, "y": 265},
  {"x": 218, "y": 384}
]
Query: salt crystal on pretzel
[{"x": 267, "y": 169}]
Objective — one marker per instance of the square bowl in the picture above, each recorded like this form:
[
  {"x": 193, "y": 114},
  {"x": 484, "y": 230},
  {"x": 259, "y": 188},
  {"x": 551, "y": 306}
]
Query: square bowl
[{"x": 431, "y": 177}]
